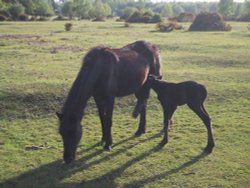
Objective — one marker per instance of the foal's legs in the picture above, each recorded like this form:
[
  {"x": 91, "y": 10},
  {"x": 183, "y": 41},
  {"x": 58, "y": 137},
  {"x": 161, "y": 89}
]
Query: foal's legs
[
  {"x": 201, "y": 112},
  {"x": 168, "y": 113}
]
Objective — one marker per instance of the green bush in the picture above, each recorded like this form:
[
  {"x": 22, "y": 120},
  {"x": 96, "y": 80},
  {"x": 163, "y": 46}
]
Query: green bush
[
  {"x": 68, "y": 26},
  {"x": 126, "y": 24},
  {"x": 15, "y": 10},
  {"x": 168, "y": 27},
  {"x": 209, "y": 22},
  {"x": 60, "y": 18},
  {"x": 156, "y": 18},
  {"x": 23, "y": 17},
  {"x": 2, "y": 18}
]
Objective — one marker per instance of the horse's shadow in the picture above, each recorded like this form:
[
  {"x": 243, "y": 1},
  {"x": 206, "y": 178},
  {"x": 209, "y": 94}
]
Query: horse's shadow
[{"x": 52, "y": 174}]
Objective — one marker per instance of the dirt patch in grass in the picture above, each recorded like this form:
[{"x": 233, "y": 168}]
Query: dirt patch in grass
[
  {"x": 66, "y": 49},
  {"x": 35, "y": 40}
]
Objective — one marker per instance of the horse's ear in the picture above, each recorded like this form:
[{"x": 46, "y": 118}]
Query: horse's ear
[
  {"x": 112, "y": 56},
  {"x": 59, "y": 115}
]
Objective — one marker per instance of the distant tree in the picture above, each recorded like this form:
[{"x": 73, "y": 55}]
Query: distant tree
[
  {"x": 15, "y": 10},
  {"x": 246, "y": 7},
  {"x": 166, "y": 10},
  {"x": 100, "y": 10},
  {"x": 83, "y": 8},
  {"x": 177, "y": 9},
  {"x": 68, "y": 9},
  {"x": 43, "y": 8},
  {"x": 226, "y": 7},
  {"x": 128, "y": 12}
]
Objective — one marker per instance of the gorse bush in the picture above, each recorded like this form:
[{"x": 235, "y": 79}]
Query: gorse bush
[
  {"x": 168, "y": 27},
  {"x": 209, "y": 22},
  {"x": 68, "y": 26},
  {"x": 23, "y": 17},
  {"x": 2, "y": 18}
]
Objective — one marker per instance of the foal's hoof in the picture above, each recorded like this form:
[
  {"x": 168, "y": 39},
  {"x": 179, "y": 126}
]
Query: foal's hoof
[
  {"x": 107, "y": 148},
  {"x": 135, "y": 114},
  {"x": 208, "y": 149}
]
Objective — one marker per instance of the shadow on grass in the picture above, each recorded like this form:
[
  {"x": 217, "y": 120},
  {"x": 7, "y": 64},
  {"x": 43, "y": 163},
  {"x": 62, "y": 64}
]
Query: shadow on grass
[
  {"x": 52, "y": 174},
  {"x": 20, "y": 105}
]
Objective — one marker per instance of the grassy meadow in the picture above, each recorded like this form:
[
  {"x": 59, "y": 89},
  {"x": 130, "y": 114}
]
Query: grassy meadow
[{"x": 38, "y": 63}]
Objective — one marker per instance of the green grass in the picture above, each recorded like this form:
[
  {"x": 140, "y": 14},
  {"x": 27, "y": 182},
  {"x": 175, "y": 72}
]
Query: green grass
[{"x": 38, "y": 63}]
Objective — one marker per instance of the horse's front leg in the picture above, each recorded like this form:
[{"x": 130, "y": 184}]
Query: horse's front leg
[
  {"x": 142, "y": 96},
  {"x": 109, "y": 105},
  {"x": 100, "y": 103}
]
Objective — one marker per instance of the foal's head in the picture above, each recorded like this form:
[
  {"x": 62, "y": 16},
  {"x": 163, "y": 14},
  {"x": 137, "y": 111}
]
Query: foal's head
[{"x": 71, "y": 131}]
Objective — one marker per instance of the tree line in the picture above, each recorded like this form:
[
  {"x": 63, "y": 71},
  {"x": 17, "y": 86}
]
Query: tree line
[{"x": 89, "y": 9}]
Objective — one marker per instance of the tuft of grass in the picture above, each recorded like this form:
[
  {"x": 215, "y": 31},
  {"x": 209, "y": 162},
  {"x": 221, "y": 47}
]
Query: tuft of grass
[{"x": 39, "y": 62}]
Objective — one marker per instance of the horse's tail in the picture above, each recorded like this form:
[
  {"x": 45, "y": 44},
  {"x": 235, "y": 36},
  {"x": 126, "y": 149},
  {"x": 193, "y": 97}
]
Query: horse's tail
[{"x": 83, "y": 86}]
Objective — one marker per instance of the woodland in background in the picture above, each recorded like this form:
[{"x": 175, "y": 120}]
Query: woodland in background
[{"x": 143, "y": 10}]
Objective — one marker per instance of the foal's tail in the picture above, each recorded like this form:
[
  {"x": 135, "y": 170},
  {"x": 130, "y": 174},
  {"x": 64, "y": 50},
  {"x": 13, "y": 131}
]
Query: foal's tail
[{"x": 83, "y": 86}]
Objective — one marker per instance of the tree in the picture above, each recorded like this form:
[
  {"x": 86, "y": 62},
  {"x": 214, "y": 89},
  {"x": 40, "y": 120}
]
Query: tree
[
  {"x": 100, "y": 10},
  {"x": 177, "y": 9},
  {"x": 247, "y": 6},
  {"x": 68, "y": 9},
  {"x": 16, "y": 9},
  {"x": 128, "y": 12},
  {"x": 166, "y": 10},
  {"x": 82, "y": 8},
  {"x": 226, "y": 7}
]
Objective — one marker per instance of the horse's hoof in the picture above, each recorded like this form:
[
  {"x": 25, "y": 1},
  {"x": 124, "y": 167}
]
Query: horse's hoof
[
  {"x": 139, "y": 133},
  {"x": 107, "y": 148}
]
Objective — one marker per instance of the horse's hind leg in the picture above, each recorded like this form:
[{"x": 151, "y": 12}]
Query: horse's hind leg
[{"x": 201, "y": 112}]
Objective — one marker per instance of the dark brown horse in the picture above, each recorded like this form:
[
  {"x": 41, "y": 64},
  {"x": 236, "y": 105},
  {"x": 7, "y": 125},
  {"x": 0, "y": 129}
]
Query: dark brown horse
[
  {"x": 107, "y": 73},
  {"x": 172, "y": 95}
]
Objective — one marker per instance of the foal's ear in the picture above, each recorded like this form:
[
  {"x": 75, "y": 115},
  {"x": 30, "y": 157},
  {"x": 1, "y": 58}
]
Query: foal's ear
[{"x": 59, "y": 115}]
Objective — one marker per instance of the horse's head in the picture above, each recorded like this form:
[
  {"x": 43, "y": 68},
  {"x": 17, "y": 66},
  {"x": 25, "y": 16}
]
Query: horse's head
[
  {"x": 71, "y": 132},
  {"x": 151, "y": 53},
  {"x": 155, "y": 65}
]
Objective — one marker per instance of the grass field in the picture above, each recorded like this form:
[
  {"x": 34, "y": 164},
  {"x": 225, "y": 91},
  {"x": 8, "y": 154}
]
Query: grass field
[{"x": 38, "y": 63}]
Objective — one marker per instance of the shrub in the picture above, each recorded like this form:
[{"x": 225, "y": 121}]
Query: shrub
[
  {"x": 2, "y": 18},
  {"x": 60, "y": 18},
  {"x": 156, "y": 18},
  {"x": 42, "y": 18},
  {"x": 126, "y": 24},
  {"x": 185, "y": 17},
  {"x": 168, "y": 27},
  {"x": 245, "y": 18},
  {"x": 209, "y": 22},
  {"x": 23, "y": 17},
  {"x": 16, "y": 9},
  {"x": 68, "y": 26},
  {"x": 99, "y": 19}
]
